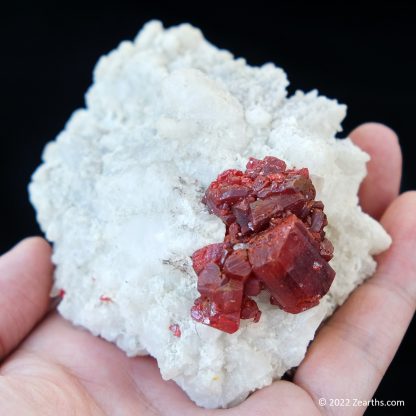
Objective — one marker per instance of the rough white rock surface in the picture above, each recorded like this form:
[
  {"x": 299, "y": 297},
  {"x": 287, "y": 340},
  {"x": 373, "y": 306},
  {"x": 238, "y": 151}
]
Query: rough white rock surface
[{"x": 119, "y": 196}]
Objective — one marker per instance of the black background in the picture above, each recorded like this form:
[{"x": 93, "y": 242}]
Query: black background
[{"x": 362, "y": 58}]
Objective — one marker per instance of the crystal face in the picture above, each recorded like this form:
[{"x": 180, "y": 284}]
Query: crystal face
[{"x": 274, "y": 241}]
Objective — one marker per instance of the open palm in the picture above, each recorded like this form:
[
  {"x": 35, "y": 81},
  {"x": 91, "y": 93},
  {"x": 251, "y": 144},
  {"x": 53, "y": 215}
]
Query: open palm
[{"x": 50, "y": 367}]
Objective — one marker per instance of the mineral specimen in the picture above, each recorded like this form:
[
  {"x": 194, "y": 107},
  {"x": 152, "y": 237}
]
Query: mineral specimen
[
  {"x": 119, "y": 195},
  {"x": 274, "y": 240}
]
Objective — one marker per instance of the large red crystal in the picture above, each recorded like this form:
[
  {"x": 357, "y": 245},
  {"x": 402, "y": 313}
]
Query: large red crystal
[{"x": 274, "y": 241}]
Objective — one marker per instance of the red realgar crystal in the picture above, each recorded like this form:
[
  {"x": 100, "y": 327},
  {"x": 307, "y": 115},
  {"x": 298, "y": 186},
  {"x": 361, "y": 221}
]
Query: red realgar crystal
[{"x": 274, "y": 241}]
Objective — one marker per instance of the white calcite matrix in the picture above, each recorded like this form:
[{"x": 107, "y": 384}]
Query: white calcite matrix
[{"x": 119, "y": 196}]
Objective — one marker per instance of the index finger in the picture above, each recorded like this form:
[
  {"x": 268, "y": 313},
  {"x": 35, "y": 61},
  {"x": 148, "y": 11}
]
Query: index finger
[{"x": 382, "y": 183}]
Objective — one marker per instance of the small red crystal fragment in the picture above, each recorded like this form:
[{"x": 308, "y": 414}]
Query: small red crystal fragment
[
  {"x": 241, "y": 212},
  {"x": 212, "y": 253},
  {"x": 253, "y": 286},
  {"x": 268, "y": 165},
  {"x": 175, "y": 329},
  {"x": 104, "y": 298},
  {"x": 274, "y": 241},
  {"x": 61, "y": 293},
  {"x": 210, "y": 279},
  {"x": 263, "y": 210},
  {"x": 326, "y": 249},
  {"x": 250, "y": 310},
  {"x": 237, "y": 266},
  {"x": 222, "y": 310}
]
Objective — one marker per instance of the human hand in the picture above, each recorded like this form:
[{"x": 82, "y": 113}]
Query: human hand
[{"x": 56, "y": 368}]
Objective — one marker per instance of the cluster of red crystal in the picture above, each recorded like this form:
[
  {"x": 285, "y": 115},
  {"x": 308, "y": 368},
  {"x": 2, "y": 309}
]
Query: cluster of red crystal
[{"x": 274, "y": 241}]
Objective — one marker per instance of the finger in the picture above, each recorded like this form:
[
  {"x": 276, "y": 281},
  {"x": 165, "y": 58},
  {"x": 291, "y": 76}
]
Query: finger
[
  {"x": 382, "y": 183},
  {"x": 25, "y": 283},
  {"x": 281, "y": 398},
  {"x": 117, "y": 383},
  {"x": 353, "y": 350}
]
